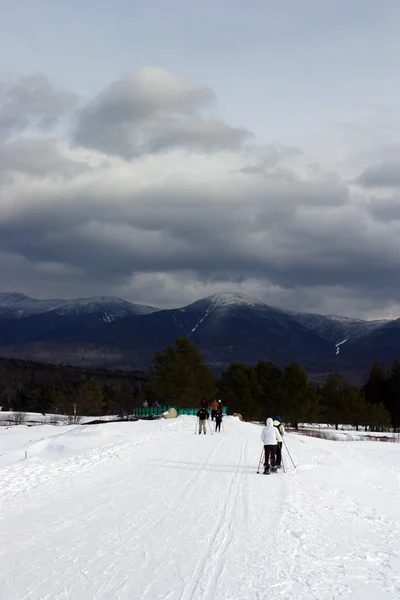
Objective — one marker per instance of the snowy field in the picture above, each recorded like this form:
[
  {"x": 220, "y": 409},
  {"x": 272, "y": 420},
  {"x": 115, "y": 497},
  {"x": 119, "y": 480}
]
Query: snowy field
[{"x": 150, "y": 511}]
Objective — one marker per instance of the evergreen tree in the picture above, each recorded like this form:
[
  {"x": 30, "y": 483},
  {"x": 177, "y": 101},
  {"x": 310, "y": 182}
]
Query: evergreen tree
[
  {"x": 355, "y": 405},
  {"x": 392, "y": 403},
  {"x": 7, "y": 397},
  {"x": 301, "y": 402},
  {"x": 235, "y": 388},
  {"x": 64, "y": 397},
  {"x": 90, "y": 398},
  {"x": 21, "y": 401},
  {"x": 333, "y": 399},
  {"x": 312, "y": 406},
  {"x": 377, "y": 417},
  {"x": 268, "y": 389},
  {"x": 109, "y": 400},
  {"x": 42, "y": 399},
  {"x": 180, "y": 375},
  {"x": 376, "y": 388},
  {"x": 124, "y": 403}
]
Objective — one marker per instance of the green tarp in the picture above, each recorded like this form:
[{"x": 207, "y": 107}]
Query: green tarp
[{"x": 140, "y": 411}]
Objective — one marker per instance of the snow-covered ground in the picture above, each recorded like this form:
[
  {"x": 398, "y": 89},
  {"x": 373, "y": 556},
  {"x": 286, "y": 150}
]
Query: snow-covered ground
[
  {"x": 148, "y": 510},
  {"x": 30, "y": 418},
  {"x": 348, "y": 433}
]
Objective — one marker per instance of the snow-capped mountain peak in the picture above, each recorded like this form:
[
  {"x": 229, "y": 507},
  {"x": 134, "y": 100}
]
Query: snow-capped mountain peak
[
  {"x": 19, "y": 305},
  {"x": 221, "y": 305},
  {"x": 15, "y": 305},
  {"x": 112, "y": 308},
  {"x": 233, "y": 299},
  {"x": 10, "y": 298}
]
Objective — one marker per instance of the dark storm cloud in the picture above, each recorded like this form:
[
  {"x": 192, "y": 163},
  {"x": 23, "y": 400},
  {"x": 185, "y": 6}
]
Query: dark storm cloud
[
  {"x": 79, "y": 216},
  {"x": 245, "y": 229}
]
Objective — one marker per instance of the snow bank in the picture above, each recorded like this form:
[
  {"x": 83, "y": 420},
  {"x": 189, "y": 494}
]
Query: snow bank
[{"x": 8, "y": 418}]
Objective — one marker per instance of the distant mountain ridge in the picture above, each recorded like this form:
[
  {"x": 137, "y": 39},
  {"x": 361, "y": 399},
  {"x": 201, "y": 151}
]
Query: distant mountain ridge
[
  {"x": 17, "y": 305},
  {"x": 338, "y": 329},
  {"x": 115, "y": 333}
]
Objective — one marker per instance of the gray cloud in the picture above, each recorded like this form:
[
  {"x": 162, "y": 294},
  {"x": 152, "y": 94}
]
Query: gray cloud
[
  {"x": 37, "y": 157},
  {"x": 78, "y": 219},
  {"x": 272, "y": 155},
  {"x": 152, "y": 110},
  {"x": 32, "y": 101},
  {"x": 305, "y": 233},
  {"x": 385, "y": 209},
  {"x": 386, "y": 174}
]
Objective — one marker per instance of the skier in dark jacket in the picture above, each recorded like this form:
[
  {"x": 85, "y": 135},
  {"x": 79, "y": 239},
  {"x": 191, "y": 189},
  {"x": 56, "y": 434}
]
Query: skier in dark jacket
[
  {"x": 203, "y": 403},
  {"x": 218, "y": 420},
  {"x": 203, "y": 415},
  {"x": 281, "y": 429}
]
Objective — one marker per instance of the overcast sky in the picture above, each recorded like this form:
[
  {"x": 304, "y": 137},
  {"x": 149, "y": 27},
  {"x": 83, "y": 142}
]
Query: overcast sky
[{"x": 163, "y": 151}]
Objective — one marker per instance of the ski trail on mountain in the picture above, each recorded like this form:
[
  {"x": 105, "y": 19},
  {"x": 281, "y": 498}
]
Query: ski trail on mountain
[{"x": 206, "y": 314}]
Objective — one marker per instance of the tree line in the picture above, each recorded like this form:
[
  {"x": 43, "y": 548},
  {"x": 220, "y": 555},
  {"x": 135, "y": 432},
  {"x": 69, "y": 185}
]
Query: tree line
[
  {"x": 28, "y": 386},
  {"x": 180, "y": 376}
]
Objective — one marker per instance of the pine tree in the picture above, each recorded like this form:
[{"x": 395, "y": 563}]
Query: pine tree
[
  {"x": 301, "y": 403},
  {"x": 376, "y": 388},
  {"x": 180, "y": 375},
  {"x": 236, "y": 389},
  {"x": 90, "y": 398},
  {"x": 268, "y": 389},
  {"x": 378, "y": 417},
  {"x": 355, "y": 406},
  {"x": 392, "y": 403},
  {"x": 42, "y": 399},
  {"x": 333, "y": 399}
]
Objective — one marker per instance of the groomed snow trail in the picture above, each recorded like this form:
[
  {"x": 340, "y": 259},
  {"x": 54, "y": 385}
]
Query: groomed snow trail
[{"x": 153, "y": 511}]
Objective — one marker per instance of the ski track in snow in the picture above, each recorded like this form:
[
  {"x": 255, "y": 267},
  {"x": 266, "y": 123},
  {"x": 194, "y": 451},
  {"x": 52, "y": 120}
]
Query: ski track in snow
[{"x": 161, "y": 513}]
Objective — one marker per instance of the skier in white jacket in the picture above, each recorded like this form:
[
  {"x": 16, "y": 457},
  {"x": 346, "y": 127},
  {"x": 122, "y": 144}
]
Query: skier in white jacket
[{"x": 270, "y": 437}]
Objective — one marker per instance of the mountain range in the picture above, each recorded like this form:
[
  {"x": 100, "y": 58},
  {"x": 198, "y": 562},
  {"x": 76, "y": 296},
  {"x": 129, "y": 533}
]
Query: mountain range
[{"x": 113, "y": 333}]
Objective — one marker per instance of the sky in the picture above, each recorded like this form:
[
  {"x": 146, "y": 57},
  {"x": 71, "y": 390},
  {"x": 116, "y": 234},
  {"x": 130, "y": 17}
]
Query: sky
[{"x": 164, "y": 151}]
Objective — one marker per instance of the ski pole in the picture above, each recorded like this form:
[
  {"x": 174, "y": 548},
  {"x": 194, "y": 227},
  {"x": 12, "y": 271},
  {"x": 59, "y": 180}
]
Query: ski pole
[
  {"x": 290, "y": 456},
  {"x": 283, "y": 465},
  {"x": 197, "y": 422},
  {"x": 211, "y": 428},
  {"x": 259, "y": 462}
]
